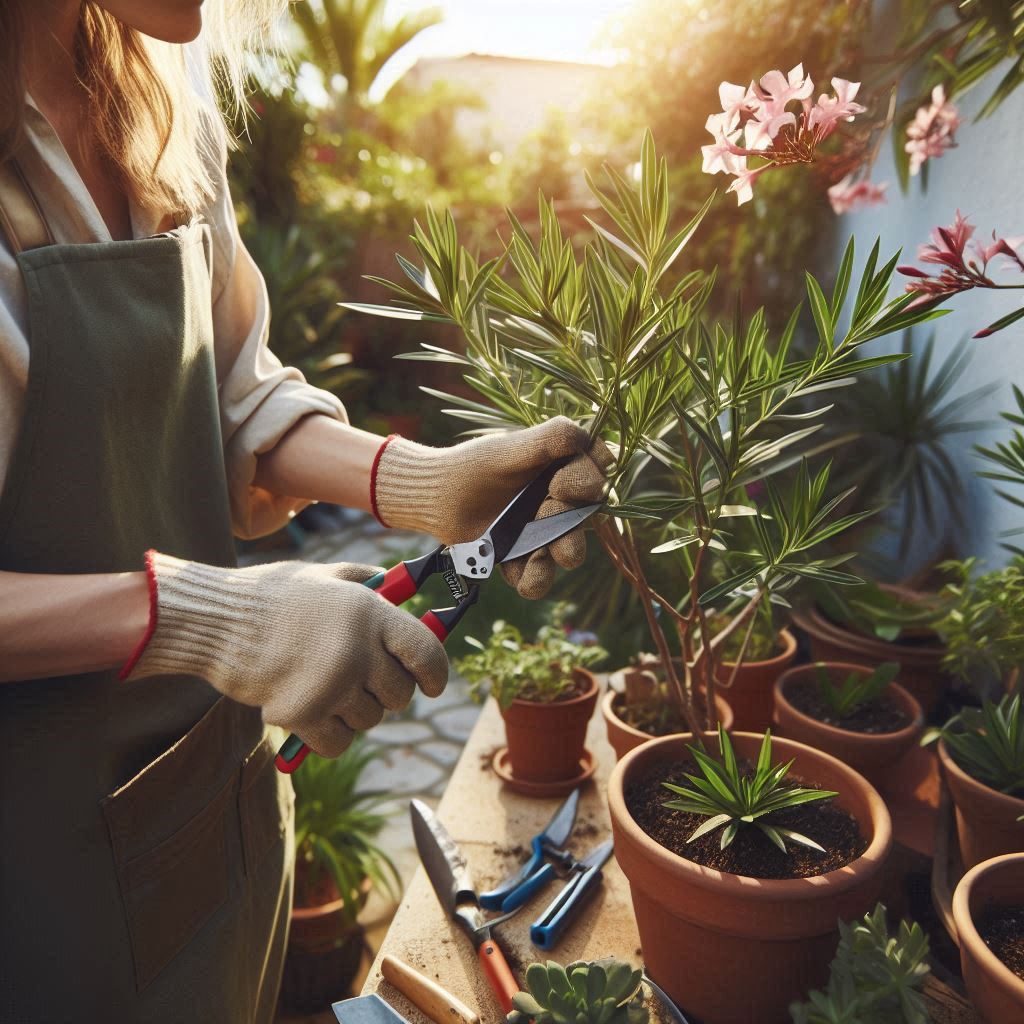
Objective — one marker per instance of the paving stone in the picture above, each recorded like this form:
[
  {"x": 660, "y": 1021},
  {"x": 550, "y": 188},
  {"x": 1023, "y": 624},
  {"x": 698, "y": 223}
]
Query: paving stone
[
  {"x": 401, "y": 732},
  {"x": 403, "y": 773},
  {"x": 457, "y": 723},
  {"x": 444, "y": 752}
]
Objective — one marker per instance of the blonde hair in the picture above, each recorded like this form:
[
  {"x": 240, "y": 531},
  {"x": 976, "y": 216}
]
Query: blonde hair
[{"x": 147, "y": 106}]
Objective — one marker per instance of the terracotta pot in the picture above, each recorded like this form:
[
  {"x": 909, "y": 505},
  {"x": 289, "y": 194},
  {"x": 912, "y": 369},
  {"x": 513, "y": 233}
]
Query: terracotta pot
[
  {"x": 732, "y": 949},
  {"x": 545, "y": 740},
  {"x": 986, "y": 820},
  {"x": 750, "y": 695},
  {"x": 871, "y": 754},
  {"x": 624, "y": 738},
  {"x": 996, "y": 992},
  {"x": 920, "y": 664},
  {"x": 323, "y": 955}
]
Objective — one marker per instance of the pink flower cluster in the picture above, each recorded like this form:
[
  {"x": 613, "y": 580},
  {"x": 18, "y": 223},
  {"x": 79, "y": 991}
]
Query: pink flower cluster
[
  {"x": 964, "y": 262},
  {"x": 849, "y": 195},
  {"x": 932, "y": 131},
  {"x": 760, "y": 117}
]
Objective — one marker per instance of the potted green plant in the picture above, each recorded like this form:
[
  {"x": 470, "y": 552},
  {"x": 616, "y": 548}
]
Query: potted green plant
[
  {"x": 874, "y": 976},
  {"x": 859, "y": 715},
  {"x": 750, "y": 865},
  {"x": 696, "y": 412},
  {"x": 982, "y": 755},
  {"x": 546, "y": 696},
  {"x": 598, "y": 992},
  {"x": 988, "y": 908},
  {"x": 337, "y": 863}
]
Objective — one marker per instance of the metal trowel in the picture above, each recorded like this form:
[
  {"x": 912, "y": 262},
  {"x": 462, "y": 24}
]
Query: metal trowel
[{"x": 366, "y": 1010}]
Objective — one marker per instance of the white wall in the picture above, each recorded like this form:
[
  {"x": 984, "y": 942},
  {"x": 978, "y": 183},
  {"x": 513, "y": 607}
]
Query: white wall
[{"x": 983, "y": 178}]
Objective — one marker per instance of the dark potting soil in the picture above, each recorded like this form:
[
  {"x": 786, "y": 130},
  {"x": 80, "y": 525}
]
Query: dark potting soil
[
  {"x": 656, "y": 717},
  {"x": 1002, "y": 929},
  {"x": 751, "y": 852},
  {"x": 881, "y": 715}
]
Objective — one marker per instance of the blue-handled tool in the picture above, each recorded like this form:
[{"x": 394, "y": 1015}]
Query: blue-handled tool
[
  {"x": 547, "y": 845},
  {"x": 584, "y": 879}
]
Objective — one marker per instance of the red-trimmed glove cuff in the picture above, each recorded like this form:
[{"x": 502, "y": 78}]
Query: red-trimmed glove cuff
[
  {"x": 126, "y": 669},
  {"x": 373, "y": 479}
]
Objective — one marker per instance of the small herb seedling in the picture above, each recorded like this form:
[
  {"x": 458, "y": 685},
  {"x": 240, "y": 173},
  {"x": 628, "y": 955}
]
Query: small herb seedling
[
  {"x": 988, "y": 743},
  {"x": 602, "y": 992},
  {"x": 856, "y": 690},
  {"x": 732, "y": 800}
]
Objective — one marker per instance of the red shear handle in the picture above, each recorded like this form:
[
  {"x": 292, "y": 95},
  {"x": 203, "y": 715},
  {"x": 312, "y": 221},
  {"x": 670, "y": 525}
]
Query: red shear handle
[
  {"x": 499, "y": 974},
  {"x": 396, "y": 585}
]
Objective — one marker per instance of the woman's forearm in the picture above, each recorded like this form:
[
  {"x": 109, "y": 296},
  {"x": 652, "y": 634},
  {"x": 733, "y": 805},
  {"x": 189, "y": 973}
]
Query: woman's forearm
[
  {"x": 53, "y": 625},
  {"x": 321, "y": 459}
]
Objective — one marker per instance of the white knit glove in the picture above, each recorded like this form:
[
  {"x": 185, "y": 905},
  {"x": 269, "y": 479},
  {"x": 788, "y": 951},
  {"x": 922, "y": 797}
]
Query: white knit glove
[
  {"x": 321, "y": 654},
  {"x": 455, "y": 493}
]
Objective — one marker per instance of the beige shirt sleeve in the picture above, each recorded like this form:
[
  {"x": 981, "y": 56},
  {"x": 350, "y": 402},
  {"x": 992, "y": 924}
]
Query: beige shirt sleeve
[{"x": 260, "y": 400}]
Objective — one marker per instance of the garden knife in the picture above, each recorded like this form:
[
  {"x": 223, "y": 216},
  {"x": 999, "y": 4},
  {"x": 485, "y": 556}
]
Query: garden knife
[
  {"x": 446, "y": 868},
  {"x": 538, "y": 870},
  {"x": 583, "y": 883},
  {"x": 464, "y": 567}
]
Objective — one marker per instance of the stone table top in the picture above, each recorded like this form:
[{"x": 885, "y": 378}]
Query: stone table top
[{"x": 493, "y": 826}]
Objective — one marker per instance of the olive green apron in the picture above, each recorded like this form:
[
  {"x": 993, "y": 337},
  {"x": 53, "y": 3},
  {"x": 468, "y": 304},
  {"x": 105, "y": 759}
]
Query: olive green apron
[{"x": 145, "y": 842}]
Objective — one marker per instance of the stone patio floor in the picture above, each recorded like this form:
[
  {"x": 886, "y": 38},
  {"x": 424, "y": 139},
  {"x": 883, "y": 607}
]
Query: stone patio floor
[{"x": 419, "y": 745}]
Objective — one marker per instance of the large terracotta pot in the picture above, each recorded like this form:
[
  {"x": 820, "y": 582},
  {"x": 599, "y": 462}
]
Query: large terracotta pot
[
  {"x": 545, "y": 740},
  {"x": 996, "y": 992},
  {"x": 624, "y": 738},
  {"x": 732, "y": 949},
  {"x": 986, "y": 820},
  {"x": 871, "y": 754},
  {"x": 920, "y": 663},
  {"x": 750, "y": 695}
]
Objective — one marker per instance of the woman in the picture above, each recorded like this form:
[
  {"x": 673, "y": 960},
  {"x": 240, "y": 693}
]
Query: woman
[{"x": 144, "y": 872}]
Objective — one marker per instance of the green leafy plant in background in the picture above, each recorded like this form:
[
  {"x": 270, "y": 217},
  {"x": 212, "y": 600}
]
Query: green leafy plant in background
[
  {"x": 336, "y": 825},
  {"x": 1007, "y": 461},
  {"x": 874, "y": 611},
  {"x": 600, "y": 992},
  {"x": 988, "y": 743},
  {"x": 507, "y": 667},
  {"x": 874, "y": 976},
  {"x": 694, "y": 411},
  {"x": 732, "y": 800},
  {"x": 857, "y": 689},
  {"x": 983, "y": 624}
]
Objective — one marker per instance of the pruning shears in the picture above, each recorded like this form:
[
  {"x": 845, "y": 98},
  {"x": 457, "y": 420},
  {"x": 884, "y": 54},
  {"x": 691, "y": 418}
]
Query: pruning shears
[{"x": 515, "y": 533}]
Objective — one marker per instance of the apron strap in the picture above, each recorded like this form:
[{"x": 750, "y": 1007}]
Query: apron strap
[{"x": 21, "y": 217}]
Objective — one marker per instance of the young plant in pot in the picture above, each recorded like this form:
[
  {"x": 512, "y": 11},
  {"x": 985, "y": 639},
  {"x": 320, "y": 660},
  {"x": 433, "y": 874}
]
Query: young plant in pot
[
  {"x": 337, "y": 864},
  {"x": 982, "y": 754},
  {"x": 695, "y": 412},
  {"x": 752, "y": 862},
  {"x": 860, "y": 715},
  {"x": 598, "y": 992},
  {"x": 988, "y": 908},
  {"x": 546, "y": 695}
]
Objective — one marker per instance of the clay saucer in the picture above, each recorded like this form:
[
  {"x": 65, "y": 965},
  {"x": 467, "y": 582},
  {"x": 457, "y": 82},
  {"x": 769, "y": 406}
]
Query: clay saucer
[{"x": 560, "y": 787}]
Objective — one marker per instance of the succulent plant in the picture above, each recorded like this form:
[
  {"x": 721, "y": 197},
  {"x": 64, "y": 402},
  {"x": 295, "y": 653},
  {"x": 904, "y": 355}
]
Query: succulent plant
[{"x": 585, "y": 992}]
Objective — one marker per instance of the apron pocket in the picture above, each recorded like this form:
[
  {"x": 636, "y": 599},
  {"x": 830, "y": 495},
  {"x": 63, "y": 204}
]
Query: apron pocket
[
  {"x": 265, "y": 803},
  {"x": 170, "y": 892}
]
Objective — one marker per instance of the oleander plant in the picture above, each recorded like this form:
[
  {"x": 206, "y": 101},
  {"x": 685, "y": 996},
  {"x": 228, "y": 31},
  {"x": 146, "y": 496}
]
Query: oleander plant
[
  {"x": 599, "y": 992},
  {"x": 699, "y": 414},
  {"x": 732, "y": 800},
  {"x": 846, "y": 697}
]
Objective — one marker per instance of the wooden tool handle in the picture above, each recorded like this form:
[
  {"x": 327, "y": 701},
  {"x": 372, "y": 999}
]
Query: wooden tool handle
[
  {"x": 499, "y": 974},
  {"x": 440, "y": 1006}
]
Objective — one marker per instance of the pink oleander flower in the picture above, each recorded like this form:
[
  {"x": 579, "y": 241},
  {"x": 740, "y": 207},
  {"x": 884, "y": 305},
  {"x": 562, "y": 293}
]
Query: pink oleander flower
[
  {"x": 964, "y": 262},
  {"x": 932, "y": 131},
  {"x": 849, "y": 195},
  {"x": 777, "y": 123}
]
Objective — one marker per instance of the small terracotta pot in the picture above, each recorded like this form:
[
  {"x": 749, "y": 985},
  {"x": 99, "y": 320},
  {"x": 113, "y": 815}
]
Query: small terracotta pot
[
  {"x": 986, "y": 820},
  {"x": 732, "y": 949},
  {"x": 871, "y": 754},
  {"x": 545, "y": 740},
  {"x": 624, "y": 738},
  {"x": 996, "y": 992},
  {"x": 750, "y": 695},
  {"x": 920, "y": 664}
]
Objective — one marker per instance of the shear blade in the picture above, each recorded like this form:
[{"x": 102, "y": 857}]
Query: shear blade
[{"x": 542, "y": 532}]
